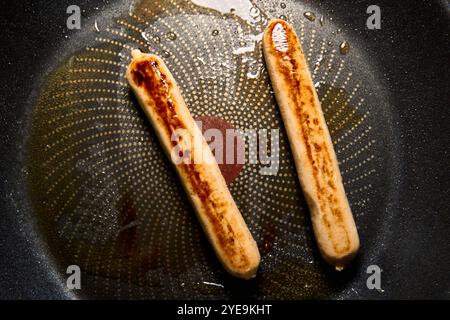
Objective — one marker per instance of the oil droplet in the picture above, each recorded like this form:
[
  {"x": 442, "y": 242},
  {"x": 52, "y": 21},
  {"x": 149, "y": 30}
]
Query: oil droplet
[
  {"x": 254, "y": 71},
  {"x": 201, "y": 60},
  {"x": 283, "y": 17},
  {"x": 144, "y": 36},
  {"x": 252, "y": 74},
  {"x": 156, "y": 39},
  {"x": 310, "y": 16},
  {"x": 166, "y": 54},
  {"x": 330, "y": 43},
  {"x": 344, "y": 47},
  {"x": 215, "y": 33},
  {"x": 213, "y": 284},
  {"x": 254, "y": 12},
  {"x": 338, "y": 31},
  {"x": 283, "y": 5},
  {"x": 96, "y": 26},
  {"x": 322, "y": 21},
  {"x": 318, "y": 63},
  {"x": 171, "y": 36}
]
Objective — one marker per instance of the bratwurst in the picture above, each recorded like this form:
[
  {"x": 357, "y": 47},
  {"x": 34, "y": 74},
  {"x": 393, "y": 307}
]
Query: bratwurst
[
  {"x": 310, "y": 141},
  {"x": 160, "y": 98}
]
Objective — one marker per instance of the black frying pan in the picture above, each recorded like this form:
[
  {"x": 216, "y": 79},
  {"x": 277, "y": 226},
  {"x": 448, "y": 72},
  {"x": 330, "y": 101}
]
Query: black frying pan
[{"x": 84, "y": 182}]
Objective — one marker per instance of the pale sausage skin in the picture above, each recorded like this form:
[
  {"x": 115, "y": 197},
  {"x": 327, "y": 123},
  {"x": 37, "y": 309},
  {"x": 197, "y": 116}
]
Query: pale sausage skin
[
  {"x": 311, "y": 145},
  {"x": 161, "y": 100}
]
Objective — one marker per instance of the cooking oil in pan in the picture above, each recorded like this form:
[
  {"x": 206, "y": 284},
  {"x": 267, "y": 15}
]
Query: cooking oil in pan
[{"x": 106, "y": 196}]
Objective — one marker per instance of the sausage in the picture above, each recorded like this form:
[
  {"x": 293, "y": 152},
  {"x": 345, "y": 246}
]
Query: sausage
[
  {"x": 160, "y": 98},
  {"x": 315, "y": 160}
]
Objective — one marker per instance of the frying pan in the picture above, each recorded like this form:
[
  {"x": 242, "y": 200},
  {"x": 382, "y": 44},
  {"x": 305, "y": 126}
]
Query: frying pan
[{"x": 84, "y": 181}]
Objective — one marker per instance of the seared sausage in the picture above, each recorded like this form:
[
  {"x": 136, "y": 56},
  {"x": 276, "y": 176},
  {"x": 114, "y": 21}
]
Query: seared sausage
[
  {"x": 161, "y": 100},
  {"x": 310, "y": 141}
]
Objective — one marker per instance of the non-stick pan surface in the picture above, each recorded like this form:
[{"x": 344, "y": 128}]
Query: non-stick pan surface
[{"x": 84, "y": 181}]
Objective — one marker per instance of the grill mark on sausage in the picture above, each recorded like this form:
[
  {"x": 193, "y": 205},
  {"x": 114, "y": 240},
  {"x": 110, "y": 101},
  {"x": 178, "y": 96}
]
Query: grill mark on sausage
[{"x": 318, "y": 155}]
